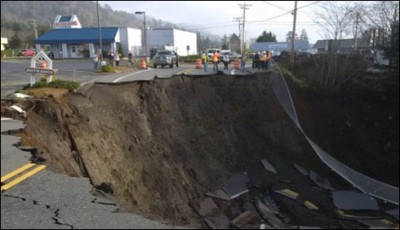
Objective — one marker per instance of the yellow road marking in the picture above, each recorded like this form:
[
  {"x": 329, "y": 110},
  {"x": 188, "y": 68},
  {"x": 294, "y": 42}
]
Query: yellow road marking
[
  {"x": 310, "y": 205},
  {"x": 23, "y": 177},
  {"x": 288, "y": 193},
  {"x": 185, "y": 71},
  {"x": 15, "y": 172}
]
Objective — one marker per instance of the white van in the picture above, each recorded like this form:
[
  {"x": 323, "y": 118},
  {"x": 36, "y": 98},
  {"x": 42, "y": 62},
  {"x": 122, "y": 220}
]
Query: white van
[{"x": 210, "y": 52}]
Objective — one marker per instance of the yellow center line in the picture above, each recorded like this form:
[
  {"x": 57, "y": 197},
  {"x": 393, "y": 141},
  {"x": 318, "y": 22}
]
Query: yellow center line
[
  {"x": 185, "y": 71},
  {"x": 23, "y": 177},
  {"x": 15, "y": 172}
]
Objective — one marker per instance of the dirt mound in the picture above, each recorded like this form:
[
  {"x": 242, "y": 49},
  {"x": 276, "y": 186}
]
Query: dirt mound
[{"x": 160, "y": 145}]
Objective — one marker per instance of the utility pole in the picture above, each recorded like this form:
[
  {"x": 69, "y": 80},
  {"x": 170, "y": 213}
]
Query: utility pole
[
  {"x": 244, "y": 7},
  {"x": 240, "y": 38},
  {"x": 293, "y": 34},
  {"x": 34, "y": 27},
  {"x": 100, "y": 53}
]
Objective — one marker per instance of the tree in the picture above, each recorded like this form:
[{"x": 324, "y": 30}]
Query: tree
[
  {"x": 334, "y": 19},
  {"x": 121, "y": 50},
  {"x": 303, "y": 35},
  {"x": 42, "y": 29},
  {"x": 225, "y": 42},
  {"x": 15, "y": 42},
  {"x": 266, "y": 37},
  {"x": 383, "y": 18},
  {"x": 235, "y": 42},
  {"x": 289, "y": 36}
]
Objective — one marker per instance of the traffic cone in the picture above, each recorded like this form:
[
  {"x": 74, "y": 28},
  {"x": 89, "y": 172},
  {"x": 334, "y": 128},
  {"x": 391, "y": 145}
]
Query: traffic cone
[
  {"x": 143, "y": 64},
  {"x": 43, "y": 65},
  {"x": 236, "y": 64},
  {"x": 198, "y": 64}
]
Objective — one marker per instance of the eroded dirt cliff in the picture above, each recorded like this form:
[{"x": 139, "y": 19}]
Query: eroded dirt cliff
[{"x": 159, "y": 146}]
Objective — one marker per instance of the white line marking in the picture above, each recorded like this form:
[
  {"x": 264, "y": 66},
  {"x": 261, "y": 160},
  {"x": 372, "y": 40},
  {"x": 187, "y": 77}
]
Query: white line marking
[{"x": 130, "y": 74}]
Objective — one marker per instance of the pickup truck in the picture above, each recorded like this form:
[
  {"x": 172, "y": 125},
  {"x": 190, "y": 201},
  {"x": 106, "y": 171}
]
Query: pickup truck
[{"x": 165, "y": 57}]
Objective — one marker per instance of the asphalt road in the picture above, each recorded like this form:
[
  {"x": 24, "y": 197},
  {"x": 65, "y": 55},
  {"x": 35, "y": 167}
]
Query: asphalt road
[
  {"x": 14, "y": 76},
  {"x": 55, "y": 201}
]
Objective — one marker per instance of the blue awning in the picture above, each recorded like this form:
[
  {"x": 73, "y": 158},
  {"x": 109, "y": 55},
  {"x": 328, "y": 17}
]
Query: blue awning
[{"x": 78, "y": 36}]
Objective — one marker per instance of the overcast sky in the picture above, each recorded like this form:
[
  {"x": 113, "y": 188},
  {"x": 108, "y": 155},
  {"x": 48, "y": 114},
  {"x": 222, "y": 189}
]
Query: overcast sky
[{"x": 217, "y": 17}]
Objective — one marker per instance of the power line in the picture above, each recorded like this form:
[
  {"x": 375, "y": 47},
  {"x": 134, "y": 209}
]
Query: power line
[
  {"x": 275, "y": 5},
  {"x": 287, "y": 12}
]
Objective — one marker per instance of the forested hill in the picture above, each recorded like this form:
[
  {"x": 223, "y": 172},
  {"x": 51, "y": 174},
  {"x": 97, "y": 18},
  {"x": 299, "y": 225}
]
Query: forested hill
[
  {"x": 17, "y": 19},
  {"x": 46, "y": 11}
]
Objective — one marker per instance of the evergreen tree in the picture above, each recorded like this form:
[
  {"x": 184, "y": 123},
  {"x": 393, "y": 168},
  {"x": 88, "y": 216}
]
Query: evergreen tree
[
  {"x": 225, "y": 44},
  {"x": 303, "y": 35},
  {"x": 266, "y": 37},
  {"x": 15, "y": 42}
]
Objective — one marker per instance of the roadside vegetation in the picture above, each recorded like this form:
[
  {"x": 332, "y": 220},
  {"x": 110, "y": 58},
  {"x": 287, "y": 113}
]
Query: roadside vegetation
[{"x": 56, "y": 83}]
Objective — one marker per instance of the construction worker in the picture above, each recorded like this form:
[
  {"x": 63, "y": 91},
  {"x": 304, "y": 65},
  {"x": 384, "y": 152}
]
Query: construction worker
[
  {"x": 205, "y": 59},
  {"x": 215, "y": 60},
  {"x": 263, "y": 60}
]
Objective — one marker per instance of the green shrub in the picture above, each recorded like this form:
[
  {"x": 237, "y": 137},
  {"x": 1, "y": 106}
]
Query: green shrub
[
  {"x": 62, "y": 84},
  {"x": 107, "y": 68}
]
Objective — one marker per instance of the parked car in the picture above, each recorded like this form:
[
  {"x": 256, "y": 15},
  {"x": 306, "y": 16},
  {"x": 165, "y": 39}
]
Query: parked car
[
  {"x": 234, "y": 55},
  {"x": 27, "y": 52},
  {"x": 165, "y": 57},
  {"x": 231, "y": 54}
]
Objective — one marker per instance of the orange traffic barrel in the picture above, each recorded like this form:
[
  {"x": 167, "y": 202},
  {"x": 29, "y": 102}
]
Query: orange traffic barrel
[
  {"x": 236, "y": 64},
  {"x": 198, "y": 64},
  {"x": 143, "y": 64},
  {"x": 43, "y": 65}
]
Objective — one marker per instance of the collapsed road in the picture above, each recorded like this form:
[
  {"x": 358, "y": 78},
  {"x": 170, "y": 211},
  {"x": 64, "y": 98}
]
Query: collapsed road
[{"x": 211, "y": 151}]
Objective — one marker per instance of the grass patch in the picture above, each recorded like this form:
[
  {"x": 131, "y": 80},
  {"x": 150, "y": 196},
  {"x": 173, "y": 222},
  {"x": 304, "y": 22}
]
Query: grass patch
[{"x": 56, "y": 83}]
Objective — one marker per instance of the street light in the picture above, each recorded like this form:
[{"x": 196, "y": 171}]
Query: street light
[{"x": 144, "y": 31}]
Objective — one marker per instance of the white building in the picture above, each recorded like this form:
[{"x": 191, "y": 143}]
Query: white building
[
  {"x": 4, "y": 41},
  {"x": 130, "y": 40},
  {"x": 183, "y": 42}
]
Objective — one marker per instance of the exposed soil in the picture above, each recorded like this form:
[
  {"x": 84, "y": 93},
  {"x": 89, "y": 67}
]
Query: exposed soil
[{"x": 159, "y": 146}]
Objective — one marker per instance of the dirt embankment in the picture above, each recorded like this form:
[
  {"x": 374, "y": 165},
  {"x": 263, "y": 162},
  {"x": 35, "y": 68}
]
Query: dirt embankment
[{"x": 161, "y": 145}]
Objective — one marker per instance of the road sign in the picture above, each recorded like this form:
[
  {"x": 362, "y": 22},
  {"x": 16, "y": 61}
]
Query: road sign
[{"x": 40, "y": 71}]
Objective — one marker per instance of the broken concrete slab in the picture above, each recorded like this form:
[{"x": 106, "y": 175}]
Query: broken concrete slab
[
  {"x": 271, "y": 204},
  {"x": 236, "y": 185},
  {"x": 320, "y": 181},
  {"x": 301, "y": 170},
  {"x": 218, "y": 194},
  {"x": 244, "y": 218},
  {"x": 268, "y": 166},
  {"x": 353, "y": 200},
  {"x": 288, "y": 193},
  {"x": 267, "y": 214},
  {"x": 212, "y": 215}
]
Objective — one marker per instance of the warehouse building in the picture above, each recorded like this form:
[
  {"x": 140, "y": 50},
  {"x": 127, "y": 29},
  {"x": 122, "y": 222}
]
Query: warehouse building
[{"x": 182, "y": 42}]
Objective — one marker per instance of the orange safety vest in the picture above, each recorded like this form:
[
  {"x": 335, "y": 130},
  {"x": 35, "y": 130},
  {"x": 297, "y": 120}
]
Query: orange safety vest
[{"x": 215, "y": 57}]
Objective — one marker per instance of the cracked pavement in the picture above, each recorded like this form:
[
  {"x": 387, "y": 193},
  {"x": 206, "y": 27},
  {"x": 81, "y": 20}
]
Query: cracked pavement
[{"x": 49, "y": 200}]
